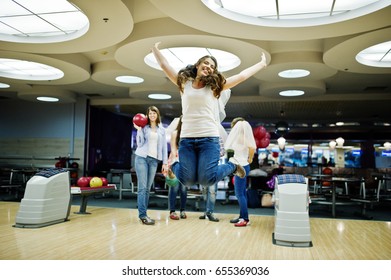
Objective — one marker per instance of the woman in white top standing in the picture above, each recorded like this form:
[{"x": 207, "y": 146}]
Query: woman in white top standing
[
  {"x": 200, "y": 86},
  {"x": 241, "y": 141},
  {"x": 151, "y": 149}
]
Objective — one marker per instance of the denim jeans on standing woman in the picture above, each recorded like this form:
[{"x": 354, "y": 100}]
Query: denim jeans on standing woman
[
  {"x": 199, "y": 162},
  {"x": 209, "y": 194},
  {"x": 240, "y": 186},
  {"x": 146, "y": 171},
  {"x": 172, "y": 194}
]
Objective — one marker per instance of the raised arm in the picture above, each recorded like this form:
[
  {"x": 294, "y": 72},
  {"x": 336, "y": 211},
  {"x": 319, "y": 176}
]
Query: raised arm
[
  {"x": 166, "y": 67},
  {"x": 245, "y": 74}
]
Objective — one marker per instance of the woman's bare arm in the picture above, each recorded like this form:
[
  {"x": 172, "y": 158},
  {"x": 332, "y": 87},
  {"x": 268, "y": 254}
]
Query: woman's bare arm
[
  {"x": 245, "y": 74},
  {"x": 166, "y": 67}
]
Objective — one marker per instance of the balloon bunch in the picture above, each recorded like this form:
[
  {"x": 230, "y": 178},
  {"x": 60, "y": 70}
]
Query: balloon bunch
[{"x": 262, "y": 137}]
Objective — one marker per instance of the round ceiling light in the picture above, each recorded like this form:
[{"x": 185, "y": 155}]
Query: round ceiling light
[
  {"x": 377, "y": 56},
  {"x": 129, "y": 79},
  {"x": 47, "y": 99},
  {"x": 294, "y": 73},
  {"x": 159, "y": 96},
  {"x": 28, "y": 70},
  {"x": 43, "y": 21},
  {"x": 291, "y": 93},
  {"x": 297, "y": 13},
  {"x": 2, "y": 85},
  {"x": 179, "y": 58}
]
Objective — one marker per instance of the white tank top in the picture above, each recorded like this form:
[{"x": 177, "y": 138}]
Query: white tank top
[
  {"x": 152, "y": 144},
  {"x": 200, "y": 112}
]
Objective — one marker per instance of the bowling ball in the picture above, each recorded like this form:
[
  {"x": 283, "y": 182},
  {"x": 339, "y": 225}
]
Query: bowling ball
[
  {"x": 96, "y": 182},
  {"x": 104, "y": 181},
  {"x": 83, "y": 182},
  {"x": 60, "y": 164},
  {"x": 140, "y": 120},
  {"x": 74, "y": 164}
]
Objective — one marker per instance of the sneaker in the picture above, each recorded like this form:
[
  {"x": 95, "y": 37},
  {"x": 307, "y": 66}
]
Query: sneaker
[
  {"x": 234, "y": 221},
  {"x": 211, "y": 217},
  {"x": 183, "y": 215},
  {"x": 202, "y": 217},
  {"x": 147, "y": 220},
  {"x": 174, "y": 216},
  {"x": 239, "y": 171},
  {"x": 242, "y": 223}
]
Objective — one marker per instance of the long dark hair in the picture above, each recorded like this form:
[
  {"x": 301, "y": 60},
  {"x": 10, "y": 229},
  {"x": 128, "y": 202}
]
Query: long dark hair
[
  {"x": 216, "y": 80},
  {"x": 178, "y": 129}
]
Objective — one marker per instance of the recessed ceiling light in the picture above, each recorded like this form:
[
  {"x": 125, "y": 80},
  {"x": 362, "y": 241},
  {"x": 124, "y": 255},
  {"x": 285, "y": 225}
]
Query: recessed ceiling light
[
  {"x": 159, "y": 96},
  {"x": 181, "y": 57},
  {"x": 28, "y": 70},
  {"x": 43, "y": 21},
  {"x": 378, "y": 55},
  {"x": 129, "y": 79},
  {"x": 294, "y": 73},
  {"x": 47, "y": 99},
  {"x": 2, "y": 85},
  {"x": 291, "y": 93},
  {"x": 382, "y": 124},
  {"x": 299, "y": 13}
]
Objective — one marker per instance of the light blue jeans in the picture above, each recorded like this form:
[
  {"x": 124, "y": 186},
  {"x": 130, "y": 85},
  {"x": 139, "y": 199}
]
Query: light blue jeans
[
  {"x": 209, "y": 194},
  {"x": 145, "y": 171},
  {"x": 172, "y": 194},
  {"x": 199, "y": 162},
  {"x": 240, "y": 186}
]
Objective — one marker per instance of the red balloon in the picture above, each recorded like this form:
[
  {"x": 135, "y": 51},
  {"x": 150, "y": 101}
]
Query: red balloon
[
  {"x": 104, "y": 181},
  {"x": 259, "y": 132},
  {"x": 83, "y": 182},
  {"x": 267, "y": 135},
  {"x": 140, "y": 120},
  {"x": 262, "y": 143}
]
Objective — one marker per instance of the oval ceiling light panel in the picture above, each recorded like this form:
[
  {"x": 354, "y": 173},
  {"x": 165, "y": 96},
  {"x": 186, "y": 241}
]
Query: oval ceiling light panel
[
  {"x": 41, "y": 21},
  {"x": 129, "y": 79},
  {"x": 179, "y": 58},
  {"x": 294, "y": 73},
  {"x": 291, "y": 93},
  {"x": 28, "y": 70},
  {"x": 377, "y": 56},
  {"x": 47, "y": 99},
  {"x": 287, "y": 13},
  {"x": 2, "y": 85},
  {"x": 159, "y": 96}
]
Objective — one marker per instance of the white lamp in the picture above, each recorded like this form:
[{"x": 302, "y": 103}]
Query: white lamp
[
  {"x": 340, "y": 142},
  {"x": 281, "y": 143},
  {"x": 332, "y": 144}
]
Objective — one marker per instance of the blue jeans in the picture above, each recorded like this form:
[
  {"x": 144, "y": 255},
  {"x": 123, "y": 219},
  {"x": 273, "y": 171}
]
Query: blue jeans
[
  {"x": 172, "y": 194},
  {"x": 240, "y": 186},
  {"x": 209, "y": 194},
  {"x": 199, "y": 162},
  {"x": 146, "y": 171}
]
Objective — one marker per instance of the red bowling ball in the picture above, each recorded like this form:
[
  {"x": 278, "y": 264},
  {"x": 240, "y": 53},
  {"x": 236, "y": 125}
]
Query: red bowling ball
[
  {"x": 140, "y": 120},
  {"x": 104, "y": 181},
  {"x": 83, "y": 182}
]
